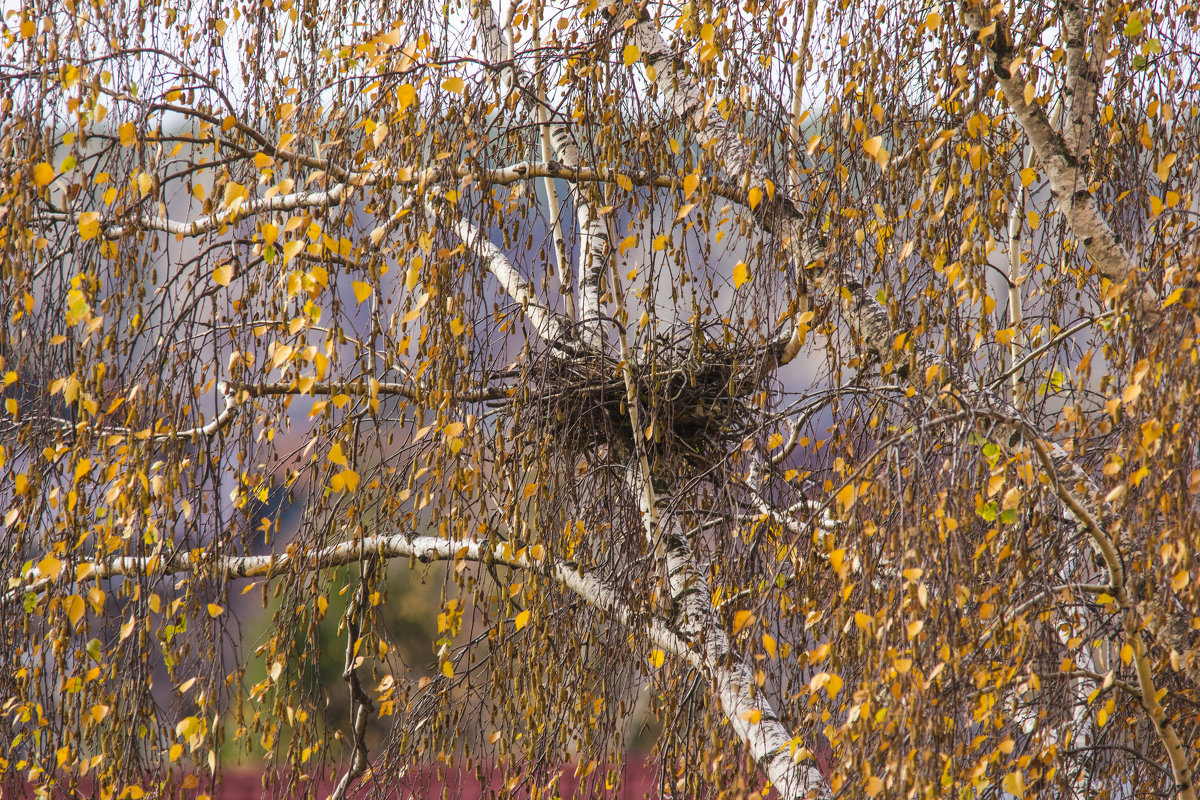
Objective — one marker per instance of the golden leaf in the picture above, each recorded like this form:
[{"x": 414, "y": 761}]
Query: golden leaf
[
  {"x": 43, "y": 173},
  {"x": 769, "y": 645},
  {"x": 89, "y": 225},
  {"x": 741, "y": 274},
  {"x": 690, "y": 184},
  {"x": 1164, "y": 166},
  {"x": 337, "y": 455},
  {"x": 406, "y": 95}
]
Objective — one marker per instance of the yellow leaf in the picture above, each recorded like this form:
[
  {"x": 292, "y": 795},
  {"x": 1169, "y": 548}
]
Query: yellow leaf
[
  {"x": 75, "y": 607},
  {"x": 1126, "y": 654},
  {"x": 43, "y": 173},
  {"x": 741, "y": 274},
  {"x": 690, "y": 184},
  {"x": 291, "y": 249},
  {"x": 50, "y": 567},
  {"x": 769, "y": 645},
  {"x": 128, "y": 132},
  {"x": 1035, "y": 220},
  {"x": 660, "y": 242},
  {"x": 942, "y": 137},
  {"x": 1156, "y": 206},
  {"x": 1164, "y": 166},
  {"x": 1180, "y": 581},
  {"x": 741, "y": 619},
  {"x": 753, "y": 716},
  {"x": 631, "y": 54},
  {"x": 522, "y": 619},
  {"x": 902, "y": 665},
  {"x": 1005, "y": 335},
  {"x": 457, "y": 326},
  {"x": 754, "y": 196},
  {"x": 215, "y": 610},
  {"x": 223, "y": 274},
  {"x": 1028, "y": 176},
  {"x": 874, "y": 786},
  {"x": 873, "y": 145},
  {"x": 447, "y": 669},
  {"x": 406, "y": 95},
  {"x": 864, "y": 621},
  {"x": 454, "y": 85},
  {"x": 346, "y": 480},
  {"x": 89, "y": 225},
  {"x": 1014, "y": 783},
  {"x": 656, "y": 658},
  {"x": 361, "y": 290}
]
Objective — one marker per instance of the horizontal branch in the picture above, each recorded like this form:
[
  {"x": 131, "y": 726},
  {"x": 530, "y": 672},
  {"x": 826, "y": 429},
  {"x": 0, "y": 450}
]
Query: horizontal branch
[
  {"x": 364, "y": 388},
  {"x": 423, "y": 548},
  {"x": 204, "y": 431},
  {"x": 115, "y": 227}
]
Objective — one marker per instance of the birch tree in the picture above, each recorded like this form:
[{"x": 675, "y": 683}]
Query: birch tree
[{"x": 818, "y": 378}]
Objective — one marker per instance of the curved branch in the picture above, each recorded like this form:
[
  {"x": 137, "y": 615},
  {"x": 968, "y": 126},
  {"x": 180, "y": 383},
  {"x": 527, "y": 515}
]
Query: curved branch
[
  {"x": 1061, "y": 157},
  {"x": 426, "y": 549}
]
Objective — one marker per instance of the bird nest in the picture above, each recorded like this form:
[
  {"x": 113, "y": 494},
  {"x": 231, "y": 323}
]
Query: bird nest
[{"x": 695, "y": 402}]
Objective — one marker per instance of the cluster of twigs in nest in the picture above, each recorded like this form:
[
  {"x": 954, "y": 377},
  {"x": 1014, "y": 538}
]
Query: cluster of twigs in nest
[{"x": 694, "y": 400}]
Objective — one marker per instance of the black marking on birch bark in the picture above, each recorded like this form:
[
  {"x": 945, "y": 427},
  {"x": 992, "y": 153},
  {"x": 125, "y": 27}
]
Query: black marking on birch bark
[{"x": 775, "y": 752}]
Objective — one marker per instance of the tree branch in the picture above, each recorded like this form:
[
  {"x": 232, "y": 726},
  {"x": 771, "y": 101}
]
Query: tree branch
[
  {"x": 777, "y": 753},
  {"x": 1062, "y": 161},
  {"x": 423, "y": 548},
  {"x": 554, "y": 329}
]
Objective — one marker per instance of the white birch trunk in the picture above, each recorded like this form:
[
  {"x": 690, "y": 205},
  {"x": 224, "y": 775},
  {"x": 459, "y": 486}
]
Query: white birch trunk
[{"x": 749, "y": 713}]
